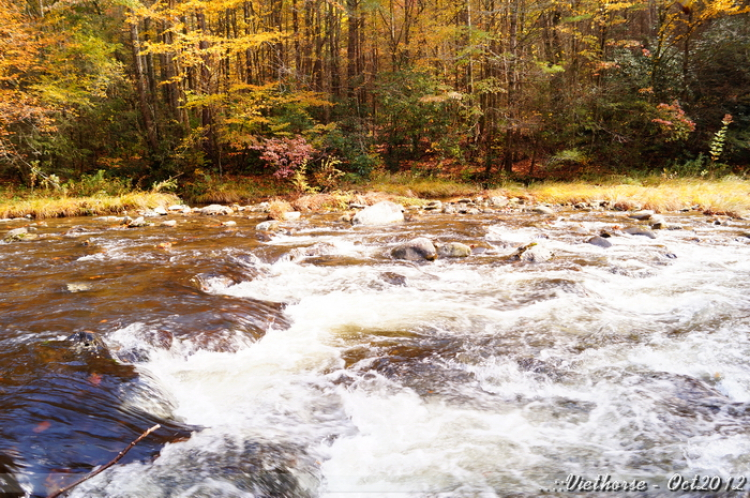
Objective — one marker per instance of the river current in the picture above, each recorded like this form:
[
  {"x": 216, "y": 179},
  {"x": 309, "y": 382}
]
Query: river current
[{"x": 309, "y": 363}]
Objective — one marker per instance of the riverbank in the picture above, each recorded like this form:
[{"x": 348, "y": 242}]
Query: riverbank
[{"x": 729, "y": 196}]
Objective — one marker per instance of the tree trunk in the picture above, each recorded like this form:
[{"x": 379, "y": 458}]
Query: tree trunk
[{"x": 148, "y": 120}]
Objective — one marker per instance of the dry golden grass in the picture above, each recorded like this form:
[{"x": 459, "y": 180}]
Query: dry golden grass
[
  {"x": 57, "y": 207},
  {"x": 277, "y": 208},
  {"x": 406, "y": 185},
  {"x": 729, "y": 196}
]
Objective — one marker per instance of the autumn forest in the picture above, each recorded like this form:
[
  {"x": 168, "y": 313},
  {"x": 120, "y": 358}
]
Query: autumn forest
[{"x": 171, "y": 89}]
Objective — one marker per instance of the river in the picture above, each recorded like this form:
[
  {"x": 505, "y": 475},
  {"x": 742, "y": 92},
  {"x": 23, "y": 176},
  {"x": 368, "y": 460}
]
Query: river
[{"x": 309, "y": 363}]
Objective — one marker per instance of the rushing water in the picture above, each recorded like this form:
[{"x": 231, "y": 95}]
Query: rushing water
[{"x": 311, "y": 364}]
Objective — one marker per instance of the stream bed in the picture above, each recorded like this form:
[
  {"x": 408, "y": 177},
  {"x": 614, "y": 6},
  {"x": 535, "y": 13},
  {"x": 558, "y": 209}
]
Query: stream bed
[{"x": 308, "y": 362}]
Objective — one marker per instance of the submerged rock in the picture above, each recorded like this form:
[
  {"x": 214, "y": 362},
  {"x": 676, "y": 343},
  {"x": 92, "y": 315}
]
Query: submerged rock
[
  {"x": 381, "y": 213},
  {"x": 87, "y": 342},
  {"x": 454, "y": 250},
  {"x": 73, "y": 288},
  {"x": 415, "y": 250},
  {"x": 600, "y": 241},
  {"x": 169, "y": 223},
  {"x": 393, "y": 278},
  {"x": 645, "y": 232}
]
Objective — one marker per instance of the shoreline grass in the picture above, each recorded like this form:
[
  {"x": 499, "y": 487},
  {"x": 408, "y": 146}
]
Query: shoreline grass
[
  {"x": 730, "y": 196},
  {"x": 63, "y": 206}
]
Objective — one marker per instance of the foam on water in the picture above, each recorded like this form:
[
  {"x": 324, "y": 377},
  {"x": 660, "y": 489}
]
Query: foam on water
[{"x": 498, "y": 378}]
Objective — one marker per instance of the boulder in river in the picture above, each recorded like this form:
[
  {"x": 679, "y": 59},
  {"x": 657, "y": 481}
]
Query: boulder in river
[
  {"x": 498, "y": 202},
  {"x": 291, "y": 216},
  {"x": 382, "y": 213},
  {"x": 533, "y": 253},
  {"x": 19, "y": 234},
  {"x": 658, "y": 222},
  {"x": 454, "y": 250},
  {"x": 542, "y": 209},
  {"x": 168, "y": 223},
  {"x": 267, "y": 226},
  {"x": 415, "y": 250},
  {"x": 600, "y": 241},
  {"x": 216, "y": 210},
  {"x": 434, "y": 206},
  {"x": 393, "y": 278},
  {"x": 80, "y": 287},
  {"x": 87, "y": 342},
  {"x": 645, "y": 232},
  {"x": 138, "y": 222},
  {"x": 644, "y": 214}
]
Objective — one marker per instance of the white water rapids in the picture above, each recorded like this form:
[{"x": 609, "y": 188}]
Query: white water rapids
[{"x": 476, "y": 377}]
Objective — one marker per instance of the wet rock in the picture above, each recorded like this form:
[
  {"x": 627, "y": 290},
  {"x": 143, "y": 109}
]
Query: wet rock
[
  {"x": 542, "y": 209},
  {"x": 314, "y": 251},
  {"x": 393, "y": 278},
  {"x": 465, "y": 209},
  {"x": 211, "y": 280},
  {"x": 415, "y": 250},
  {"x": 267, "y": 226},
  {"x": 605, "y": 234},
  {"x": 109, "y": 219},
  {"x": 642, "y": 215},
  {"x": 292, "y": 216},
  {"x": 216, "y": 210},
  {"x": 498, "y": 202},
  {"x": 454, "y": 250},
  {"x": 73, "y": 288},
  {"x": 533, "y": 253},
  {"x": 160, "y": 211},
  {"x": 18, "y": 234},
  {"x": 177, "y": 207},
  {"x": 449, "y": 208},
  {"x": 600, "y": 241},
  {"x": 137, "y": 223},
  {"x": 356, "y": 205},
  {"x": 75, "y": 232},
  {"x": 262, "y": 207},
  {"x": 644, "y": 232},
  {"x": 169, "y": 223},
  {"x": 229, "y": 223},
  {"x": 380, "y": 214},
  {"x": 658, "y": 222},
  {"x": 87, "y": 342},
  {"x": 434, "y": 206}
]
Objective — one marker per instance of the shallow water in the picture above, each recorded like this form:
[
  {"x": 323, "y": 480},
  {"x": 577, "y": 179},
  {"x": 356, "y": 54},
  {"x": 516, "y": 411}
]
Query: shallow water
[{"x": 311, "y": 364}]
